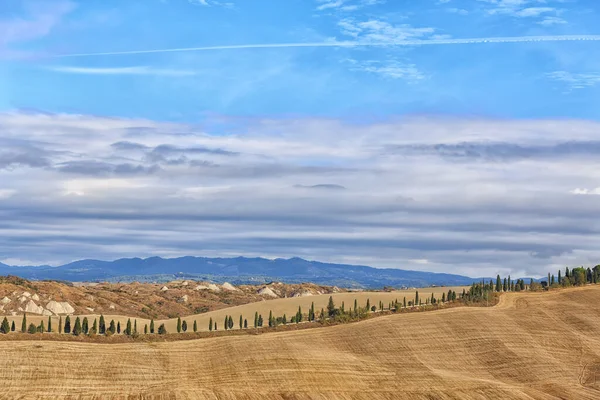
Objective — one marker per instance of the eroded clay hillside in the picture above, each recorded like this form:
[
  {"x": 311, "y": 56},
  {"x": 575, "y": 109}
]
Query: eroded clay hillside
[{"x": 146, "y": 300}]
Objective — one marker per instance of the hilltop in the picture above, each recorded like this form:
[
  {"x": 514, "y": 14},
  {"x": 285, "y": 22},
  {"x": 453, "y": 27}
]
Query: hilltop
[{"x": 144, "y": 300}]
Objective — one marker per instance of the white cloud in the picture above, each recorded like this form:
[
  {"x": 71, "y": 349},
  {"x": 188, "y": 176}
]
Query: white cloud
[
  {"x": 534, "y": 9},
  {"x": 136, "y": 70},
  {"x": 389, "y": 68},
  {"x": 575, "y": 80},
  {"x": 472, "y": 196}
]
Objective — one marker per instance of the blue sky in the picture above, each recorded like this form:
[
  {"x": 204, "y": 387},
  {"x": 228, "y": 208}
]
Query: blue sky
[{"x": 363, "y": 131}]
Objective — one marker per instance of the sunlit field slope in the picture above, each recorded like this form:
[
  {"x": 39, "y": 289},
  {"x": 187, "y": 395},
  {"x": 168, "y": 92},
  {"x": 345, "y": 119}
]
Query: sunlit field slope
[
  {"x": 279, "y": 307},
  {"x": 530, "y": 346}
]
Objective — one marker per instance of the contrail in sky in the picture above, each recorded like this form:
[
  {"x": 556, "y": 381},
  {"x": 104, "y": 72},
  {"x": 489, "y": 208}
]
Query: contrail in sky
[{"x": 412, "y": 43}]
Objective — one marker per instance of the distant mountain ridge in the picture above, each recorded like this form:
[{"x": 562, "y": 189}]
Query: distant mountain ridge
[{"x": 237, "y": 270}]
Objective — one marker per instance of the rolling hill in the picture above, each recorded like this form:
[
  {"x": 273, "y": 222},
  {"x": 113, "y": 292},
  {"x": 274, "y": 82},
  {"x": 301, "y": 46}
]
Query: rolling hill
[{"x": 530, "y": 346}]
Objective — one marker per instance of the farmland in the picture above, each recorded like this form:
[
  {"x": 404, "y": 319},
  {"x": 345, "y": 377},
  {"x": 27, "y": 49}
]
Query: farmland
[
  {"x": 279, "y": 307},
  {"x": 530, "y": 346}
]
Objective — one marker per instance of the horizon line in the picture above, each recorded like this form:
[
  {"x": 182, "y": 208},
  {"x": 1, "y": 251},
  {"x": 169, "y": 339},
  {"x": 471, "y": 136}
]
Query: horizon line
[{"x": 415, "y": 43}]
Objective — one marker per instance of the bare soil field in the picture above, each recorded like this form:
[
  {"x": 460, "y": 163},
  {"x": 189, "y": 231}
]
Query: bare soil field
[{"x": 529, "y": 346}]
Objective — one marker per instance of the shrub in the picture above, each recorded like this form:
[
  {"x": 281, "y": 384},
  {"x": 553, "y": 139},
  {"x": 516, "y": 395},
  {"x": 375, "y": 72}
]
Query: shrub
[
  {"x": 162, "y": 330},
  {"x": 32, "y": 329}
]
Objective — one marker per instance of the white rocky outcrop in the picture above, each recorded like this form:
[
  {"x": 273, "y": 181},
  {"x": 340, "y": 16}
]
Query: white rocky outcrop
[
  {"x": 26, "y": 294},
  {"x": 185, "y": 283},
  {"x": 90, "y": 309},
  {"x": 112, "y": 307},
  {"x": 266, "y": 291},
  {"x": 229, "y": 287},
  {"x": 164, "y": 289},
  {"x": 304, "y": 293},
  {"x": 214, "y": 287},
  {"x": 201, "y": 287},
  {"x": 33, "y": 308},
  {"x": 22, "y": 299},
  {"x": 184, "y": 299},
  {"x": 60, "y": 307},
  {"x": 5, "y": 300},
  {"x": 35, "y": 297}
]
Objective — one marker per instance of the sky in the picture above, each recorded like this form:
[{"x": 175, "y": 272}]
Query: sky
[{"x": 457, "y": 136}]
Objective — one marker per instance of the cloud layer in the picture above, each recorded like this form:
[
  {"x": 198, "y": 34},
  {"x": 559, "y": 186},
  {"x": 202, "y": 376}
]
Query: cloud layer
[{"x": 466, "y": 196}]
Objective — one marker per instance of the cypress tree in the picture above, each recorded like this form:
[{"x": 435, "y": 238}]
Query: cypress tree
[
  {"x": 119, "y": 327},
  {"x": 24, "y": 323},
  {"x": 443, "y": 297},
  {"x": 404, "y": 302},
  {"x": 256, "y": 319},
  {"x": 417, "y": 297},
  {"x": 549, "y": 280},
  {"x": 60, "y": 325},
  {"x": 128, "y": 330},
  {"x": 368, "y": 305},
  {"x": 13, "y": 327},
  {"x": 260, "y": 320},
  {"x": 178, "y": 324},
  {"x": 355, "y": 306},
  {"x": 241, "y": 322},
  {"x": 32, "y": 329},
  {"x": 453, "y": 295},
  {"x": 67, "y": 327},
  {"x": 111, "y": 327},
  {"x": 5, "y": 327},
  {"x": 230, "y": 322},
  {"x": 41, "y": 327},
  {"x": 567, "y": 274},
  {"x": 210, "y": 324},
  {"x": 102, "y": 325},
  {"x": 284, "y": 319},
  {"x": 552, "y": 280},
  {"x": 94, "y": 327},
  {"x": 152, "y": 325},
  {"x": 49, "y": 324},
  {"x": 343, "y": 308},
  {"x": 184, "y": 326},
  {"x": 195, "y": 326},
  {"x": 508, "y": 286},
  {"x": 135, "y": 326},
  {"x": 270, "y": 319},
  {"x": 245, "y": 324},
  {"x": 146, "y": 328},
  {"x": 226, "y": 323},
  {"x": 559, "y": 277},
  {"x": 77, "y": 327},
  {"x": 504, "y": 286},
  {"x": 299, "y": 315},
  {"x": 312, "y": 311},
  {"x": 84, "y": 326}
]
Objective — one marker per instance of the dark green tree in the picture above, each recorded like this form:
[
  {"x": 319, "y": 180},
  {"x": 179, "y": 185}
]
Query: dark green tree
[
  {"x": 256, "y": 319},
  {"x": 119, "y": 327},
  {"x": 184, "y": 326},
  {"x": 24, "y": 323},
  {"x": 245, "y": 324},
  {"x": 195, "y": 326},
  {"x": 260, "y": 320},
  {"x": 67, "y": 327},
  {"x": 41, "y": 328},
  {"x": 417, "y": 298},
  {"x": 299, "y": 315},
  {"x": 49, "y": 324},
  {"x": 505, "y": 285},
  {"x": 135, "y": 326},
  {"x": 94, "y": 327},
  {"x": 128, "y": 329},
  {"x": 5, "y": 327},
  {"x": 60, "y": 325},
  {"x": 13, "y": 327},
  {"x": 146, "y": 328},
  {"x": 271, "y": 321},
  {"x": 112, "y": 328},
  {"x": 152, "y": 326},
  {"x": 443, "y": 297},
  {"x": 32, "y": 329},
  {"x": 178, "y": 324},
  {"x": 77, "y": 327},
  {"x": 226, "y": 322},
  {"x": 241, "y": 322},
  {"x": 284, "y": 319},
  {"x": 210, "y": 324},
  {"x": 559, "y": 278},
  {"x": 84, "y": 326},
  {"x": 368, "y": 305},
  {"x": 102, "y": 325},
  {"x": 230, "y": 322},
  {"x": 162, "y": 330}
]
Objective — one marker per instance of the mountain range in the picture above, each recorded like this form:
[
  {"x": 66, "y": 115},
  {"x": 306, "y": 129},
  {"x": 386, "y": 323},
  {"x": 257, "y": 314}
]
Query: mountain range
[{"x": 236, "y": 270}]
